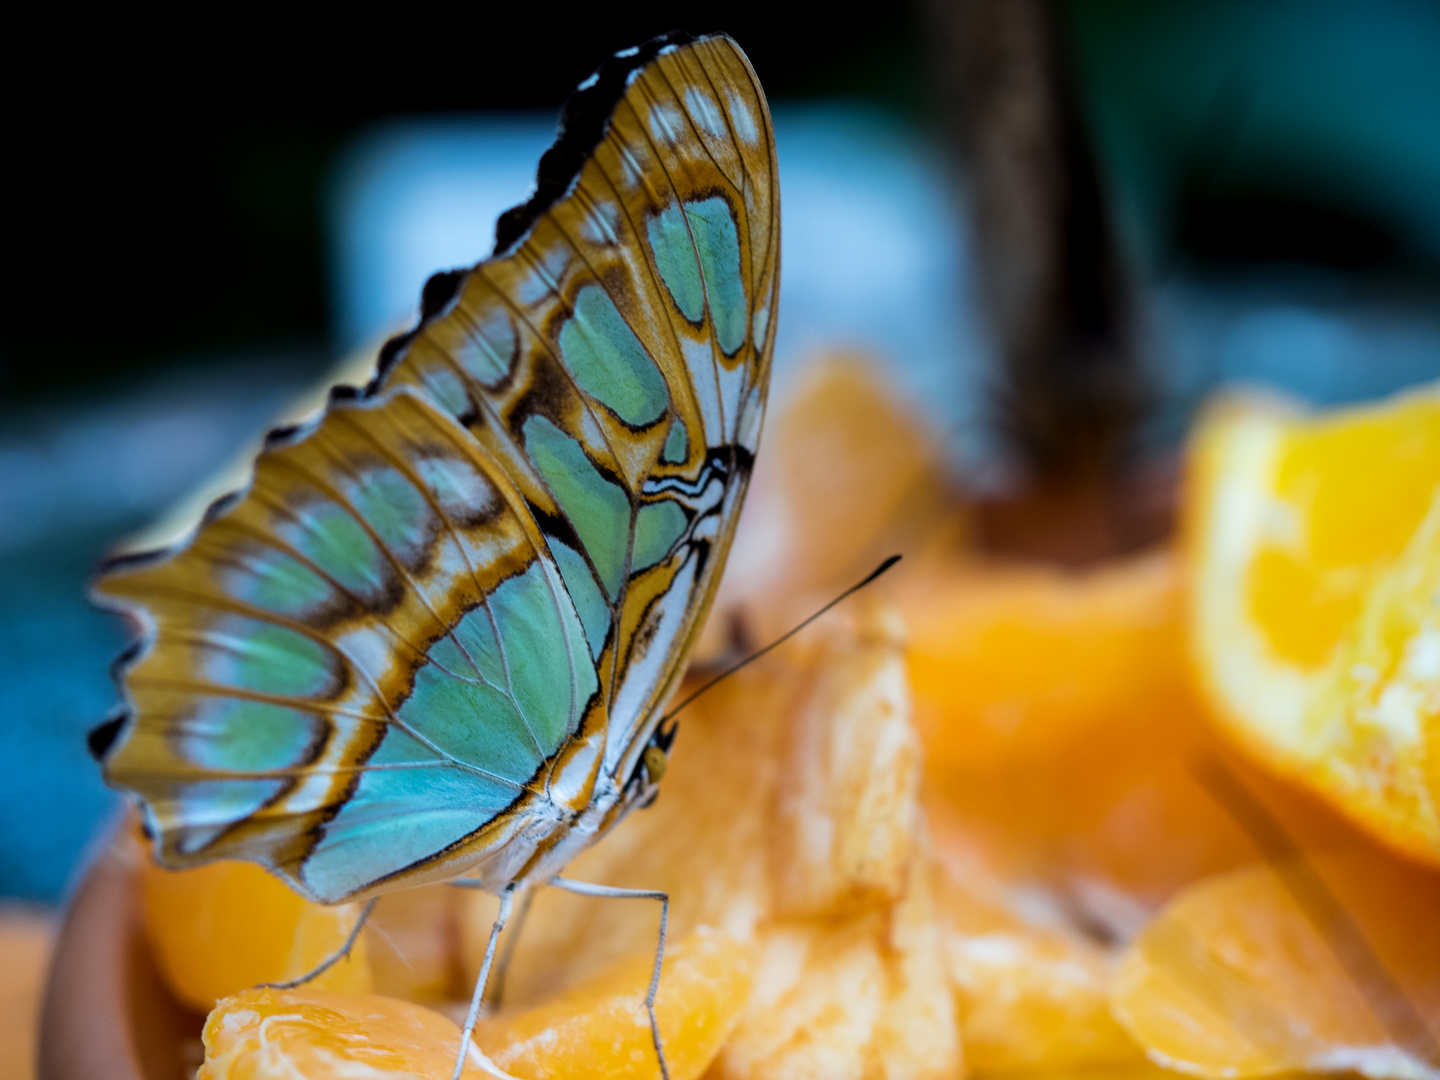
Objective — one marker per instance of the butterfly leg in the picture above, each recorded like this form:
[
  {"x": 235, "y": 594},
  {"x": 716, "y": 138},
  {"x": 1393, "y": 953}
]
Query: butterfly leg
[
  {"x": 335, "y": 957},
  {"x": 466, "y": 1046},
  {"x": 502, "y": 968},
  {"x": 610, "y": 892},
  {"x": 512, "y": 939}
]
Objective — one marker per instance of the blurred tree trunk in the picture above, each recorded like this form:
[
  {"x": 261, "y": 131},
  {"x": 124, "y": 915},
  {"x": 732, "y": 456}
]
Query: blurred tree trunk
[{"x": 1071, "y": 392}]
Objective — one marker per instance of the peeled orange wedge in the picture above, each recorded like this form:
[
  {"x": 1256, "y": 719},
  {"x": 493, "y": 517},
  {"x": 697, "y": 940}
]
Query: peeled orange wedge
[
  {"x": 601, "y": 1029},
  {"x": 1060, "y": 724},
  {"x": 288, "y": 1034},
  {"x": 218, "y": 929},
  {"x": 1325, "y": 963},
  {"x": 1314, "y": 606}
]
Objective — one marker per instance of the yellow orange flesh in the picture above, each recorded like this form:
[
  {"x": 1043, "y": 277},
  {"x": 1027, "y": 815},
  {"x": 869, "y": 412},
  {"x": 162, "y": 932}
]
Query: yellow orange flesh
[
  {"x": 1240, "y": 976},
  {"x": 1314, "y": 617},
  {"x": 287, "y": 1034},
  {"x": 1060, "y": 726},
  {"x": 601, "y": 1028},
  {"x": 222, "y": 928},
  {"x": 1027, "y": 997}
]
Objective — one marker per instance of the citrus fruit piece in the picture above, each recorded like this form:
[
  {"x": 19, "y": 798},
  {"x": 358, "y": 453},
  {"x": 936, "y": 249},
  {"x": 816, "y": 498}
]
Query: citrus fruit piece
[
  {"x": 1029, "y": 997},
  {"x": 601, "y": 1029},
  {"x": 285, "y": 1034},
  {"x": 1314, "y": 547},
  {"x": 863, "y": 996},
  {"x": 1059, "y": 723},
  {"x": 227, "y": 926},
  {"x": 843, "y": 835},
  {"x": 1239, "y": 976},
  {"x": 1029, "y": 1001}
]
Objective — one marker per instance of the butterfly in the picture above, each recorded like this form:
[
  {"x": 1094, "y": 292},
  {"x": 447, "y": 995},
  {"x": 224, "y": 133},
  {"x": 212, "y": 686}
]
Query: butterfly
[{"x": 434, "y": 635}]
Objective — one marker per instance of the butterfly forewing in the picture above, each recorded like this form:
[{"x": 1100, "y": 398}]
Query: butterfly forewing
[{"x": 436, "y": 632}]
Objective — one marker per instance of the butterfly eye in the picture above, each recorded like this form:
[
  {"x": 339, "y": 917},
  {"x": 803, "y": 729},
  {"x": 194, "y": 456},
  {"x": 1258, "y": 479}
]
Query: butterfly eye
[{"x": 655, "y": 763}]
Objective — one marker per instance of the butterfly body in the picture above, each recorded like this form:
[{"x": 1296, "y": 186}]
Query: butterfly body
[{"x": 435, "y": 634}]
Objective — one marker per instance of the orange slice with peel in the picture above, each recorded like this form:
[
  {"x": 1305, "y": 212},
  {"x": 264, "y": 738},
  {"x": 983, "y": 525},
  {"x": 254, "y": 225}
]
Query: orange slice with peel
[{"x": 1314, "y": 604}]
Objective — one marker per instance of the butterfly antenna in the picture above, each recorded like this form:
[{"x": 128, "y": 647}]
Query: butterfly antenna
[
  {"x": 884, "y": 566},
  {"x": 1396, "y": 1013}
]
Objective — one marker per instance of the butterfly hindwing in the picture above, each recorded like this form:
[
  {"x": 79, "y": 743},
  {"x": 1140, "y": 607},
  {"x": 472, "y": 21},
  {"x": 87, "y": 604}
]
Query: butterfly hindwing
[
  {"x": 380, "y": 598},
  {"x": 437, "y": 629}
]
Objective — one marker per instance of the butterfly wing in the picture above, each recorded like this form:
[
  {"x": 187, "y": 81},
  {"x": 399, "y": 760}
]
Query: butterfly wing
[
  {"x": 435, "y": 632},
  {"x": 633, "y": 321}
]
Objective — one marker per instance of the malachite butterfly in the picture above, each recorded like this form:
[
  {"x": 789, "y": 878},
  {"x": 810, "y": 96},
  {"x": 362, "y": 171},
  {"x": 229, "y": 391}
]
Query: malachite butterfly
[{"x": 434, "y": 635}]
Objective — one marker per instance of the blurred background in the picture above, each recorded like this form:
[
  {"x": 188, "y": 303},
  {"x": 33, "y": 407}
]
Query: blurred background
[{"x": 1057, "y": 226}]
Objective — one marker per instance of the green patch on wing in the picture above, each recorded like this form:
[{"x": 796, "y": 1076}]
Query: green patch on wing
[
  {"x": 394, "y": 508},
  {"x": 247, "y": 736},
  {"x": 469, "y": 720},
  {"x": 409, "y": 804},
  {"x": 334, "y": 541},
  {"x": 589, "y": 601},
  {"x": 271, "y": 659},
  {"x": 596, "y": 507},
  {"x": 489, "y": 347},
  {"x": 551, "y": 673},
  {"x": 608, "y": 361},
  {"x": 698, "y": 256},
  {"x": 657, "y": 527},
  {"x": 280, "y": 583},
  {"x": 677, "y": 443}
]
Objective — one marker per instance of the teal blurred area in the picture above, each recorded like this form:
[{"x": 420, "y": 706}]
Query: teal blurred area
[
  {"x": 1274, "y": 165},
  {"x": 1265, "y": 131}
]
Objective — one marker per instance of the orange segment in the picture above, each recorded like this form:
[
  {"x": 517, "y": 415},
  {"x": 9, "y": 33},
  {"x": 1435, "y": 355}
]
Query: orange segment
[
  {"x": 1028, "y": 997},
  {"x": 601, "y": 1029},
  {"x": 1237, "y": 978},
  {"x": 1035, "y": 1001},
  {"x": 1060, "y": 727},
  {"x": 1314, "y": 545},
  {"x": 865, "y": 996},
  {"x": 842, "y": 839},
  {"x": 222, "y": 928},
  {"x": 287, "y": 1034}
]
